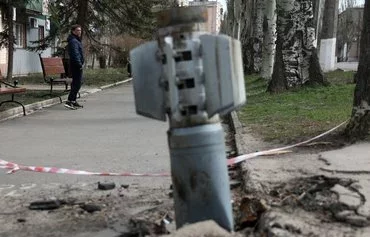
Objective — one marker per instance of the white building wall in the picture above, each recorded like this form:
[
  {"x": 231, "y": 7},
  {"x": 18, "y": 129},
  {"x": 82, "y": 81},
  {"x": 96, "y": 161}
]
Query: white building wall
[
  {"x": 3, "y": 52},
  {"x": 214, "y": 14},
  {"x": 26, "y": 61}
]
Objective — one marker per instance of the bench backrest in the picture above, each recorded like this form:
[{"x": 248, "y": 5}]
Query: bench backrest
[{"x": 52, "y": 66}]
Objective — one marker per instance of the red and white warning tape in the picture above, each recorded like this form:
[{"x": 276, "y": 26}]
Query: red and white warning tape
[
  {"x": 13, "y": 167},
  {"x": 242, "y": 158}
]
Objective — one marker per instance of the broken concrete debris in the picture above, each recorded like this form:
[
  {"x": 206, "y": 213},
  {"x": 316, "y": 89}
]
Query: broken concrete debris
[
  {"x": 45, "y": 205},
  {"x": 106, "y": 186}
]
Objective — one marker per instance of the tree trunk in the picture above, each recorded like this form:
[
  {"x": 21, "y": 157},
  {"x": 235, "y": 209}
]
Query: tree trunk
[
  {"x": 93, "y": 61},
  {"x": 246, "y": 34},
  {"x": 316, "y": 74},
  {"x": 318, "y": 9},
  {"x": 330, "y": 18},
  {"x": 229, "y": 19},
  {"x": 358, "y": 127},
  {"x": 328, "y": 35},
  {"x": 278, "y": 81},
  {"x": 82, "y": 13},
  {"x": 237, "y": 18},
  {"x": 110, "y": 57},
  {"x": 10, "y": 24},
  {"x": 269, "y": 31},
  {"x": 258, "y": 34},
  {"x": 102, "y": 61},
  {"x": 296, "y": 34},
  {"x": 246, "y": 24}
]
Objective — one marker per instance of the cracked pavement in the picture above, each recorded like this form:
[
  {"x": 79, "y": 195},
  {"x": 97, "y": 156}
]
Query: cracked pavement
[{"x": 311, "y": 193}]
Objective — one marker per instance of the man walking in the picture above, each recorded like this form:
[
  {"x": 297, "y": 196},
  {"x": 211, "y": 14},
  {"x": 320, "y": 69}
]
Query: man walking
[{"x": 76, "y": 61}]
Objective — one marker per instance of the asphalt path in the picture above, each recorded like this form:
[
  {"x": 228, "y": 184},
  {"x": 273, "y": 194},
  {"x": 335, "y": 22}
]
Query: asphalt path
[{"x": 105, "y": 136}]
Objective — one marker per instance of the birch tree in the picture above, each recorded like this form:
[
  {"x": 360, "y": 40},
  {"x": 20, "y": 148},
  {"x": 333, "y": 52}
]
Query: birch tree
[
  {"x": 319, "y": 10},
  {"x": 296, "y": 60},
  {"x": 251, "y": 33},
  {"x": 258, "y": 34},
  {"x": 238, "y": 24},
  {"x": 329, "y": 35},
  {"x": 246, "y": 34},
  {"x": 269, "y": 44},
  {"x": 359, "y": 125},
  {"x": 237, "y": 18},
  {"x": 253, "y": 22}
]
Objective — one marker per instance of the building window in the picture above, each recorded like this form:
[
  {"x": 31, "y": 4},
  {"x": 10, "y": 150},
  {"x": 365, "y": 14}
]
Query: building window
[
  {"x": 41, "y": 34},
  {"x": 19, "y": 35}
]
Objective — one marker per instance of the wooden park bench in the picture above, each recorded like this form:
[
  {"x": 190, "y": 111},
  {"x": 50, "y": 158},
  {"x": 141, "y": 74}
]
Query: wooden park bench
[
  {"x": 7, "y": 88},
  {"x": 54, "y": 72}
]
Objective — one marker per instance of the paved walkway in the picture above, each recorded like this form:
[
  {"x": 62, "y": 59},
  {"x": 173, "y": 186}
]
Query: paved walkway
[
  {"x": 106, "y": 135},
  {"x": 47, "y": 87},
  {"x": 347, "y": 66}
]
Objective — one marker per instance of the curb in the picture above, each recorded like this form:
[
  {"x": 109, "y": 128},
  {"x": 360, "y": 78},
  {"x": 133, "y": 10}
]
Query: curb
[
  {"x": 238, "y": 136},
  {"x": 31, "y": 108},
  {"x": 251, "y": 185},
  {"x": 115, "y": 84}
]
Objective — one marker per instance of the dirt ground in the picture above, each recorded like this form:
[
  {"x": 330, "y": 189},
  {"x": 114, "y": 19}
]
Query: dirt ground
[
  {"x": 292, "y": 195},
  {"x": 285, "y": 195},
  {"x": 84, "y": 210}
]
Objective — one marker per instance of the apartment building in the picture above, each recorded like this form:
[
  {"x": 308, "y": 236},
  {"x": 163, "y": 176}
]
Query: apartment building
[
  {"x": 349, "y": 33},
  {"x": 215, "y": 12},
  {"x": 31, "y": 23}
]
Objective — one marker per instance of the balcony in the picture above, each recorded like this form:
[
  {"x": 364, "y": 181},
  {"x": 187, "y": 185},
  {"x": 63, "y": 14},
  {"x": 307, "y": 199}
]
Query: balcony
[{"x": 35, "y": 6}]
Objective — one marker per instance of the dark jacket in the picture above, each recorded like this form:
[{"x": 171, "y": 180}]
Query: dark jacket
[{"x": 75, "y": 51}]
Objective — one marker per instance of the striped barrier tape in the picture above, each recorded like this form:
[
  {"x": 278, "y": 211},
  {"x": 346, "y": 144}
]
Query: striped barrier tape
[
  {"x": 53, "y": 170},
  {"x": 242, "y": 158},
  {"x": 13, "y": 167}
]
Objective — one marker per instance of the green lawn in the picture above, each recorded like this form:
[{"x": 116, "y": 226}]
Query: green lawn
[
  {"x": 285, "y": 117},
  {"x": 300, "y": 114},
  {"x": 96, "y": 77},
  {"x": 29, "y": 97},
  {"x": 101, "y": 77}
]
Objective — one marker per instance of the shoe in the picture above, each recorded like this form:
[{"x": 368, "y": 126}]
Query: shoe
[
  {"x": 77, "y": 105},
  {"x": 69, "y": 105}
]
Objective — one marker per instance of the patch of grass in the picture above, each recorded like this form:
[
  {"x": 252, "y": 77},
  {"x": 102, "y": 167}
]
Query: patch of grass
[
  {"x": 31, "y": 79},
  {"x": 295, "y": 115},
  {"x": 94, "y": 78},
  {"x": 29, "y": 97},
  {"x": 340, "y": 77},
  {"x": 102, "y": 77}
]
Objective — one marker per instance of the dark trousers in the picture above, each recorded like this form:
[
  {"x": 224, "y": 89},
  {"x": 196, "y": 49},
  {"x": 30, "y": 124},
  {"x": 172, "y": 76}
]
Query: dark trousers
[
  {"x": 76, "y": 83},
  {"x": 129, "y": 69}
]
